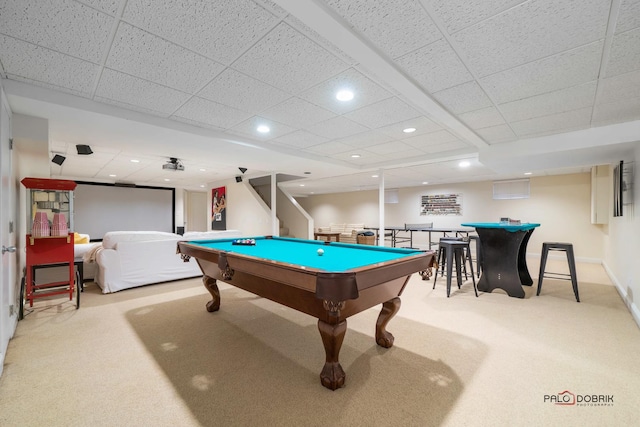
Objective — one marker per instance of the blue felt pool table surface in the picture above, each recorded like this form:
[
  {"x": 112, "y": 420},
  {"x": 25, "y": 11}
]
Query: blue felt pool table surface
[{"x": 337, "y": 257}]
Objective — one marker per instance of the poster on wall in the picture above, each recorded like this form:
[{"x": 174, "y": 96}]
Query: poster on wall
[
  {"x": 441, "y": 204},
  {"x": 219, "y": 208}
]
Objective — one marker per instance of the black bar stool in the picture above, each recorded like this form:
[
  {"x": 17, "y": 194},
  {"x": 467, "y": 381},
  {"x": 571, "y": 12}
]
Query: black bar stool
[
  {"x": 442, "y": 258},
  {"x": 568, "y": 249},
  {"x": 476, "y": 241},
  {"x": 455, "y": 251}
]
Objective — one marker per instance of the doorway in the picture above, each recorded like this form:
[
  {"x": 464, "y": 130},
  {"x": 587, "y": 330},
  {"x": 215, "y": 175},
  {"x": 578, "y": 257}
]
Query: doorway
[
  {"x": 8, "y": 310},
  {"x": 197, "y": 212}
]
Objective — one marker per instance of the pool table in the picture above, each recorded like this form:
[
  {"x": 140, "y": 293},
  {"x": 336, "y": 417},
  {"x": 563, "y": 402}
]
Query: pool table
[{"x": 345, "y": 280}]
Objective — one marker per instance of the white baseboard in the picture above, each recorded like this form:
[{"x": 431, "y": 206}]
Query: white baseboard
[{"x": 631, "y": 305}]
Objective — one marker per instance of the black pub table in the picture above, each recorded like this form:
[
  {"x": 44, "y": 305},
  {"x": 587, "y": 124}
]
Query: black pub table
[{"x": 504, "y": 250}]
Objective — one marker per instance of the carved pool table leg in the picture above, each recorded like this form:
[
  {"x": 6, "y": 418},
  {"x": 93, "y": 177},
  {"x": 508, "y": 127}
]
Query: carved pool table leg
[
  {"x": 212, "y": 287},
  {"x": 389, "y": 309},
  {"x": 332, "y": 375}
]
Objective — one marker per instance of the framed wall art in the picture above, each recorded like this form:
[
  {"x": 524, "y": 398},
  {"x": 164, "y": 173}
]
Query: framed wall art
[{"x": 219, "y": 208}]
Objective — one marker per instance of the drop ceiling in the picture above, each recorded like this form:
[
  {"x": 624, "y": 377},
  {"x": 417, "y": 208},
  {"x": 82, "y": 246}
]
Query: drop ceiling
[{"x": 511, "y": 86}]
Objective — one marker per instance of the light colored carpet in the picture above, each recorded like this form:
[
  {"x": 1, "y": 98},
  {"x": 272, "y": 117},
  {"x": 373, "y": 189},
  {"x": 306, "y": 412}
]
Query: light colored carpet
[{"x": 155, "y": 356}]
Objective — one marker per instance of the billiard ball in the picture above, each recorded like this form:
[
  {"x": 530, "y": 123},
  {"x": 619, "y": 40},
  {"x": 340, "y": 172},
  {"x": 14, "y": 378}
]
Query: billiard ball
[{"x": 320, "y": 252}]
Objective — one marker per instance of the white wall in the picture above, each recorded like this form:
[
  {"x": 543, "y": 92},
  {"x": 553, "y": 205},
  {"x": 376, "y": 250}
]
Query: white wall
[
  {"x": 561, "y": 204},
  {"x": 622, "y": 245},
  {"x": 246, "y": 211}
]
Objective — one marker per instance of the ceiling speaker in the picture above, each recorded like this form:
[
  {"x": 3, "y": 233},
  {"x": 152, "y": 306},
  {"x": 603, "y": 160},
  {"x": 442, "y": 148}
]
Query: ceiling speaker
[
  {"x": 84, "y": 149},
  {"x": 58, "y": 159}
]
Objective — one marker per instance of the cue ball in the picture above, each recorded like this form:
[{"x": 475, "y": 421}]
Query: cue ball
[{"x": 320, "y": 252}]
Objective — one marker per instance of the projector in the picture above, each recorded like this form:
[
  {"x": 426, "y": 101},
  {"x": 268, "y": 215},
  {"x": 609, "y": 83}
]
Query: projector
[{"x": 173, "y": 164}]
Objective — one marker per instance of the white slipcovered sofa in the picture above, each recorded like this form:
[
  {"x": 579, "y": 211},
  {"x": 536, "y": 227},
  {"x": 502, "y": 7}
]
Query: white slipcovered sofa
[
  {"x": 128, "y": 259},
  {"x": 348, "y": 232}
]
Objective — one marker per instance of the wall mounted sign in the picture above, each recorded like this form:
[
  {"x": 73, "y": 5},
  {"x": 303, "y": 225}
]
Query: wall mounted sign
[{"x": 441, "y": 204}]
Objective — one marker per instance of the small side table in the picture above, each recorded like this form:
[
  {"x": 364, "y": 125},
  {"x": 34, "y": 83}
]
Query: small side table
[{"x": 327, "y": 235}]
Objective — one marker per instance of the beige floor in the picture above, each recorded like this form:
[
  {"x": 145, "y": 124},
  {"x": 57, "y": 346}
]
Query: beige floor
[{"x": 154, "y": 356}]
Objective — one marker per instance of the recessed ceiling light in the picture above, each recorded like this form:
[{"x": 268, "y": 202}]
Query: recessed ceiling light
[
  {"x": 112, "y": 175},
  {"x": 201, "y": 185},
  {"x": 374, "y": 176},
  {"x": 301, "y": 185},
  {"x": 425, "y": 182},
  {"x": 355, "y": 156},
  {"x": 135, "y": 161},
  {"x": 203, "y": 170},
  {"x": 167, "y": 179},
  {"x": 344, "y": 95},
  {"x": 527, "y": 173},
  {"x": 263, "y": 129},
  {"x": 409, "y": 130},
  {"x": 464, "y": 164}
]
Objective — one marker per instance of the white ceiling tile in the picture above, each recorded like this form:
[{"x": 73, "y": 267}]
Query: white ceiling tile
[
  {"x": 617, "y": 112},
  {"x": 59, "y": 147},
  {"x": 459, "y": 14},
  {"x": 422, "y": 142},
  {"x": 494, "y": 134},
  {"x": 133, "y": 91},
  {"x": 297, "y": 112},
  {"x": 421, "y": 124},
  {"x": 61, "y": 25},
  {"x": 623, "y": 86},
  {"x": 242, "y": 92},
  {"x": 365, "y": 92},
  {"x": 128, "y": 106},
  {"x": 482, "y": 118},
  {"x": 366, "y": 139},
  {"x": 149, "y": 57},
  {"x": 289, "y": 61},
  {"x": 299, "y": 139},
  {"x": 338, "y": 127},
  {"x": 101, "y": 155},
  {"x": 446, "y": 147},
  {"x": 572, "y": 98},
  {"x": 219, "y": 30},
  {"x": 561, "y": 122},
  {"x": 388, "y": 148},
  {"x": 410, "y": 154},
  {"x": 366, "y": 159},
  {"x": 625, "y": 53},
  {"x": 530, "y": 31},
  {"x": 463, "y": 98},
  {"x": 628, "y": 15},
  {"x": 249, "y": 128},
  {"x": 272, "y": 7},
  {"x": 313, "y": 35},
  {"x": 383, "y": 113},
  {"x": 435, "y": 66},
  {"x": 330, "y": 148},
  {"x": 560, "y": 71},
  {"x": 26, "y": 61},
  {"x": 395, "y": 26},
  {"x": 205, "y": 111},
  {"x": 106, "y": 6}
]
